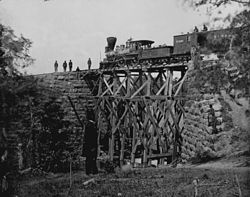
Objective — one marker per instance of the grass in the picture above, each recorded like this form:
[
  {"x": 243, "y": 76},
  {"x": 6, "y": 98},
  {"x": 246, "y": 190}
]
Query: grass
[{"x": 174, "y": 182}]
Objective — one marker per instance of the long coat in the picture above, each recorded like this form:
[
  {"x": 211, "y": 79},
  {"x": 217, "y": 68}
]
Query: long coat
[{"x": 90, "y": 138}]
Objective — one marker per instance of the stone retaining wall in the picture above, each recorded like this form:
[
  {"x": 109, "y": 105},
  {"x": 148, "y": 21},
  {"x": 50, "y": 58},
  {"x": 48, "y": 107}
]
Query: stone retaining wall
[
  {"x": 209, "y": 127},
  {"x": 72, "y": 84},
  {"x": 201, "y": 124}
]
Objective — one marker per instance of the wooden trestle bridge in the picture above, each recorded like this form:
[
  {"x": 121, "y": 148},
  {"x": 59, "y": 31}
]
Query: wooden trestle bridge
[{"x": 143, "y": 110}]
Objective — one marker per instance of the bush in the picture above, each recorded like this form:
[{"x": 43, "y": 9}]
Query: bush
[{"x": 203, "y": 156}]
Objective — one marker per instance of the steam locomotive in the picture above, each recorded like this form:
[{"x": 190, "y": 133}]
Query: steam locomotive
[{"x": 141, "y": 52}]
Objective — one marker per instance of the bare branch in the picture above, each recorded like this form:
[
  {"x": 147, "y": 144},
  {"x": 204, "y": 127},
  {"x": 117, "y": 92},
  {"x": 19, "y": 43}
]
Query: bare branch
[{"x": 217, "y": 3}]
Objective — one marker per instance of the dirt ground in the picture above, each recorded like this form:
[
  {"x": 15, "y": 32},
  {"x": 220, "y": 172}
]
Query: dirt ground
[{"x": 222, "y": 179}]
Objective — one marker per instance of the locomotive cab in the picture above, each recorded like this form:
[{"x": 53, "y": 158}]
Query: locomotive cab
[
  {"x": 128, "y": 54},
  {"x": 140, "y": 44}
]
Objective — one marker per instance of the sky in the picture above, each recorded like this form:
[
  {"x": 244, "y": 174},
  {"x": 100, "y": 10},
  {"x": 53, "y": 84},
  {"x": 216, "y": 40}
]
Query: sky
[{"x": 77, "y": 29}]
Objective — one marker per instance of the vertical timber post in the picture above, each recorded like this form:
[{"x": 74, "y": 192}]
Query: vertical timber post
[
  {"x": 125, "y": 126},
  {"x": 122, "y": 139},
  {"x": 99, "y": 114},
  {"x": 134, "y": 136},
  {"x": 170, "y": 88},
  {"x": 112, "y": 141},
  {"x": 145, "y": 151},
  {"x": 173, "y": 118}
]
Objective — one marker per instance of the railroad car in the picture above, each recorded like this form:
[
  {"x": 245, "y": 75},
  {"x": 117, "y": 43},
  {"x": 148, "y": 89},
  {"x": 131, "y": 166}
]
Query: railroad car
[{"x": 210, "y": 41}]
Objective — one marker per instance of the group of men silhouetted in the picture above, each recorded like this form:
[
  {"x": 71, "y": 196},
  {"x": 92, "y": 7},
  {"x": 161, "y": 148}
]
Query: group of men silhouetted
[
  {"x": 204, "y": 28},
  {"x": 65, "y": 65}
]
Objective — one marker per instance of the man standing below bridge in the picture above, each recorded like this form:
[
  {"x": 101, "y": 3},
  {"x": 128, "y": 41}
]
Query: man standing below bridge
[{"x": 90, "y": 139}]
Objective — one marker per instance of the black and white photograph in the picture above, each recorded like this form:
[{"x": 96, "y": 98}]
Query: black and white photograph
[{"x": 124, "y": 98}]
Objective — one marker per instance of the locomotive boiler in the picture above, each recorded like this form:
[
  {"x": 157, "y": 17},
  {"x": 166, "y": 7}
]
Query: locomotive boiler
[{"x": 134, "y": 52}]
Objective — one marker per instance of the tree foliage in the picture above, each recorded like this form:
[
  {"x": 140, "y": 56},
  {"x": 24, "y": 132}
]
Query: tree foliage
[
  {"x": 215, "y": 3},
  {"x": 14, "y": 55},
  {"x": 237, "y": 54},
  {"x": 14, "y": 52}
]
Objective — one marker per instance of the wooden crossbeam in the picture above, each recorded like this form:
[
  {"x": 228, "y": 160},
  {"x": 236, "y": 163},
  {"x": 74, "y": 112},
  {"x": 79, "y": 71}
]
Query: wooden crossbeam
[
  {"x": 110, "y": 107},
  {"x": 135, "y": 147},
  {"x": 122, "y": 90},
  {"x": 137, "y": 116},
  {"x": 136, "y": 123},
  {"x": 145, "y": 122},
  {"x": 107, "y": 85},
  {"x": 151, "y": 118},
  {"x": 137, "y": 98},
  {"x": 154, "y": 82},
  {"x": 144, "y": 84},
  {"x": 174, "y": 119},
  {"x": 162, "y": 87},
  {"x": 136, "y": 83},
  {"x": 100, "y": 86},
  {"x": 181, "y": 83},
  {"x": 148, "y": 91},
  {"x": 95, "y": 85},
  {"x": 120, "y": 120},
  {"x": 164, "y": 75},
  {"x": 166, "y": 90},
  {"x": 120, "y": 86},
  {"x": 170, "y": 85},
  {"x": 158, "y": 156},
  {"x": 128, "y": 86},
  {"x": 133, "y": 143},
  {"x": 181, "y": 108}
]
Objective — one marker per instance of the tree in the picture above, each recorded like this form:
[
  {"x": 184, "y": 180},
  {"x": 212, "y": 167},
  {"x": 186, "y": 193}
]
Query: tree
[
  {"x": 216, "y": 3},
  {"x": 238, "y": 52},
  {"x": 14, "y": 89},
  {"x": 14, "y": 55},
  {"x": 14, "y": 52}
]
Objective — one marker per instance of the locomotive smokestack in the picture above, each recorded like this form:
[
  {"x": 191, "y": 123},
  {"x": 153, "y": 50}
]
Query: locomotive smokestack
[{"x": 111, "y": 43}]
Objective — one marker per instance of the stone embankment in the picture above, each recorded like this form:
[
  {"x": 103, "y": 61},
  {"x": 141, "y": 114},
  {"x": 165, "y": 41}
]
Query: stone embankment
[
  {"x": 71, "y": 85},
  {"x": 216, "y": 122},
  {"x": 203, "y": 121}
]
